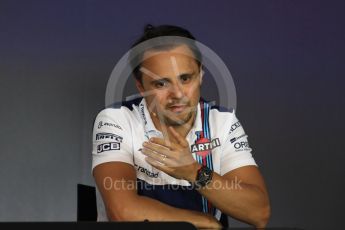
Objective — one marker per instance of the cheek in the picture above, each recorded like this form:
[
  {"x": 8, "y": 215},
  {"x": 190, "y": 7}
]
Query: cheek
[
  {"x": 193, "y": 91},
  {"x": 159, "y": 96}
]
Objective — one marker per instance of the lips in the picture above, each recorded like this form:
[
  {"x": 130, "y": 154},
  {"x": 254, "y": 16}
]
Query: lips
[{"x": 177, "y": 108}]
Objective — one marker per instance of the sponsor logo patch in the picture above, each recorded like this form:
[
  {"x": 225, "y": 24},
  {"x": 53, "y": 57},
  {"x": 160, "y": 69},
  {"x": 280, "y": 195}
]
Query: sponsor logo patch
[
  {"x": 232, "y": 140},
  {"x": 234, "y": 126},
  {"x": 108, "y": 146},
  {"x": 101, "y": 124},
  {"x": 102, "y": 136},
  {"x": 203, "y": 146},
  {"x": 142, "y": 112},
  {"x": 241, "y": 146},
  {"x": 146, "y": 171}
]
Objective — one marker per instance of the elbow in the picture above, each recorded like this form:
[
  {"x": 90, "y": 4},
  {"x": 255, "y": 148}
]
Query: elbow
[
  {"x": 115, "y": 214},
  {"x": 118, "y": 213},
  {"x": 123, "y": 211},
  {"x": 262, "y": 217}
]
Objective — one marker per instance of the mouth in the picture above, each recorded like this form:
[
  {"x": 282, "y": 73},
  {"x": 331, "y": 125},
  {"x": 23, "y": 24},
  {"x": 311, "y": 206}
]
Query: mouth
[{"x": 178, "y": 108}]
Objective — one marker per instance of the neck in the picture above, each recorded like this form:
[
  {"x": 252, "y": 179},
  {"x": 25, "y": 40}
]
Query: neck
[{"x": 183, "y": 130}]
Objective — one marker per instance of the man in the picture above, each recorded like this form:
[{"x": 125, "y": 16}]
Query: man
[{"x": 170, "y": 156}]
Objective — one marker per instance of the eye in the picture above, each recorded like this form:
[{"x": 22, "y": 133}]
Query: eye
[
  {"x": 185, "y": 78},
  {"x": 160, "y": 84}
]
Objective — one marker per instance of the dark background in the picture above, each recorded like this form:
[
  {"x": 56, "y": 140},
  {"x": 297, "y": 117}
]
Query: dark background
[{"x": 286, "y": 58}]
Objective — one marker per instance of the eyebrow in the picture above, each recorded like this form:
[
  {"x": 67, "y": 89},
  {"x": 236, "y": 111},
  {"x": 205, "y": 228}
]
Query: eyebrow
[
  {"x": 186, "y": 74},
  {"x": 159, "y": 80},
  {"x": 168, "y": 79}
]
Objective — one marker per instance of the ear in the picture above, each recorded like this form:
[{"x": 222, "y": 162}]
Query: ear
[
  {"x": 201, "y": 71},
  {"x": 140, "y": 87}
]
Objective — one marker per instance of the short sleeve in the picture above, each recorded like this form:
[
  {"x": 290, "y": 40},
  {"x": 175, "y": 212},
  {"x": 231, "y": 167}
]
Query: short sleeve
[
  {"x": 236, "y": 151},
  {"x": 111, "y": 137}
]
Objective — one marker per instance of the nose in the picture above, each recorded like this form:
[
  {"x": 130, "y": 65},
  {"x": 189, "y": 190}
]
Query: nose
[{"x": 176, "y": 90}]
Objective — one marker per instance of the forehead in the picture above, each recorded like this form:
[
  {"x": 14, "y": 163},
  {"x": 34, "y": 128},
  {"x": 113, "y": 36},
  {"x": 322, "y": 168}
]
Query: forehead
[{"x": 169, "y": 61}]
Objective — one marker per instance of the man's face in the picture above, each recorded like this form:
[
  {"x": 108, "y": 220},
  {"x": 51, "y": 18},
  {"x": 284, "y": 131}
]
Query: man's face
[{"x": 171, "y": 83}]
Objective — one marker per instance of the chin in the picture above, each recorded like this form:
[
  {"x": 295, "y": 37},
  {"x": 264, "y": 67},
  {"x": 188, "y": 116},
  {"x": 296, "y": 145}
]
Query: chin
[{"x": 177, "y": 120}]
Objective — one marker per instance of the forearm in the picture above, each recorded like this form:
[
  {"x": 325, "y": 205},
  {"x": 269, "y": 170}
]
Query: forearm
[
  {"x": 242, "y": 201},
  {"x": 144, "y": 208},
  {"x": 248, "y": 202}
]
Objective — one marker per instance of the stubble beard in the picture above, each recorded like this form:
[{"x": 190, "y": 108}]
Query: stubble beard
[{"x": 168, "y": 121}]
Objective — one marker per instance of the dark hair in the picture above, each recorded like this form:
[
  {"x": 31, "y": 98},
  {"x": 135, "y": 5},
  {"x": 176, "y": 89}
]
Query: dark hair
[{"x": 150, "y": 32}]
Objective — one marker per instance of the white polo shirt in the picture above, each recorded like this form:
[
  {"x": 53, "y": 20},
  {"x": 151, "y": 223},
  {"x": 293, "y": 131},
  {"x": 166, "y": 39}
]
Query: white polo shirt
[{"x": 217, "y": 140}]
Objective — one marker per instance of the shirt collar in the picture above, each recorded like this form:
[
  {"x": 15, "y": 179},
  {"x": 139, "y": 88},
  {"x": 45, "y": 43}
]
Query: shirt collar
[
  {"x": 146, "y": 117},
  {"x": 197, "y": 126},
  {"x": 150, "y": 127}
]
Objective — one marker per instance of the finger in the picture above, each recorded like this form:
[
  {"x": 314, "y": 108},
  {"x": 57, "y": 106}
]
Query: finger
[
  {"x": 182, "y": 141},
  {"x": 158, "y": 148},
  {"x": 158, "y": 165},
  {"x": 162, "y": 142},
  {"x": 156, "y": 156},
  {"x": 165, "y": 133}
]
